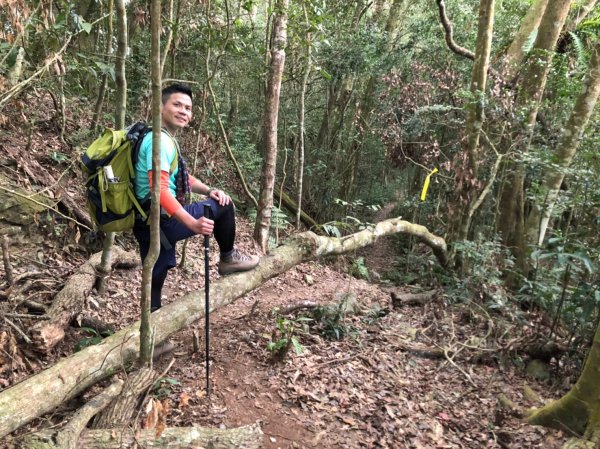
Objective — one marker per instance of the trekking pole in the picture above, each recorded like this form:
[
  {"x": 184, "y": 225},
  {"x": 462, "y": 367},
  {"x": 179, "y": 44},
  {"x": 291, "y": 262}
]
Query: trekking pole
[{"x": 206, "y": 300}]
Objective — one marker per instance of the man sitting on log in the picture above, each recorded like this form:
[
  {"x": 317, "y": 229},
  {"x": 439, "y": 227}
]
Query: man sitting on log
[{"x": 180, "y": 220}]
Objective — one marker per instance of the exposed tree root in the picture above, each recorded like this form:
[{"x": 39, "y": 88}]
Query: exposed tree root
[{"x": 578, "y": 411}]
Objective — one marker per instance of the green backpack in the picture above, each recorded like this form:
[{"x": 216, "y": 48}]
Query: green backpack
[{"x": 108, "y": 164}]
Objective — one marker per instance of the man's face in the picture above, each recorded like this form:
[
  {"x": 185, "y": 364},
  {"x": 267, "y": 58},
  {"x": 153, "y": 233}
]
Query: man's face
[{"x": 176, "y": 112}]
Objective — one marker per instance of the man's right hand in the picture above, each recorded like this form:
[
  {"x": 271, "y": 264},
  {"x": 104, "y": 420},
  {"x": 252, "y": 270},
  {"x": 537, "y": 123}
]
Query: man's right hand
[
  {"x": 204, "y": 226},
  {"x": 201, "y": 225}
]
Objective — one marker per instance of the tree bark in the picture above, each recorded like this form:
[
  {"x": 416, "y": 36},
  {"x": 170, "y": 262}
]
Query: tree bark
[
  {"x": 73, "y": 375},
  {"x": 120, "y": 60},
  {"x": 578, "y": 411},
  {"x": 481, "y": 65},
  {"x": 154, "y": 219},
  {"x": 540, "y": 214},
  {"x": 120, "y": 108},
  {"x": 301, "y": 122},
  {"x": 265, "y": 201},
  {"x": 104, "y": 81},
  {"x": 69, "y": 301},
  {"x": 289, "y": 204},
  {"x": 119, "y": 412},
  {"x": 516, "y": 54},
  {"x": 246, "y": 437},
  {"x": 68, "y": 435},
  {"x": 511, "y": 218}
]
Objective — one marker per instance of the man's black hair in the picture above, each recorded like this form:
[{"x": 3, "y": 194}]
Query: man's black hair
[{"x": 175, "y": 89}]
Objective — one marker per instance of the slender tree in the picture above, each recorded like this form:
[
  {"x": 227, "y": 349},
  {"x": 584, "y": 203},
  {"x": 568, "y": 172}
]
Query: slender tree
[
  {"x": 479, "y": 81},
  {"x": 301, "y": 121},
  {"x": 515, "y": 54},
  {"x": 120, "y": 108},
  {"x": 104, "y": 80},
  {"x": 150, "y": 260},
  {"x": 540, "y": 215},
  {"x": 475, "y": 112},
  {"x": 265, "y": 202},
  {"x": 510, "y": 220}
]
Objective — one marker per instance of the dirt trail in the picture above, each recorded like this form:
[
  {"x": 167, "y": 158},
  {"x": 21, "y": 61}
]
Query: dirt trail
[{"x": 362, "y": 391}]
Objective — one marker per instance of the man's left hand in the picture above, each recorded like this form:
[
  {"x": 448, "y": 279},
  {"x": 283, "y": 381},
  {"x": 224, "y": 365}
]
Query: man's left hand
[{"x": 220, "y": 197}]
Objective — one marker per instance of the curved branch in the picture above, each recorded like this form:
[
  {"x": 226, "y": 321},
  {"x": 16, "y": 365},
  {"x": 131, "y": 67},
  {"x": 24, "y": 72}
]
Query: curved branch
[{"x": 449, "y": 34}]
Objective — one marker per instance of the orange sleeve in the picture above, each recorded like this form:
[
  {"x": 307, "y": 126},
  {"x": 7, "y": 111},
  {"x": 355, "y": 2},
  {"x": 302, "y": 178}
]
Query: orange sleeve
[{"x": 167, "y": 201}]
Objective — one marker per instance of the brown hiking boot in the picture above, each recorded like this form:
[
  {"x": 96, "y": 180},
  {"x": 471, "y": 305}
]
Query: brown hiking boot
[{"x": 237, "y": 262}]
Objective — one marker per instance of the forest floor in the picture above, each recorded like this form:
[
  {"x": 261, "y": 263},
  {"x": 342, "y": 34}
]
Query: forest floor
[
  {"x": 362, "y": 391},
  {"x": 371, "y": 388}
]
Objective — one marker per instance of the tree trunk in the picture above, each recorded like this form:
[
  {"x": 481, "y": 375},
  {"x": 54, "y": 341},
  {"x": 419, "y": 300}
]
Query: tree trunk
[
  {"x": 578, "y": 411},
  {"x": 104, "y": 81},
  {"x": 73, "y": 375},
  {"x": 511, "y": 211},
  {"x": 516, "y": 53},
  {"x": 120, "y": 60},
  {"x": 247, "y": 437},
  {"x": 69, "y": 301},
  {"x": 301, "y": 124},
  {"x": 119, "y": 412},
  {"x": 540, "y": 215},
  {"x": 475, "y": 111},
  {"x": 120, "y": 107},
  {"x": 154, "y": 220},
  {"x": 584, "y": 9},
  {"x": 265, "y": 201}
]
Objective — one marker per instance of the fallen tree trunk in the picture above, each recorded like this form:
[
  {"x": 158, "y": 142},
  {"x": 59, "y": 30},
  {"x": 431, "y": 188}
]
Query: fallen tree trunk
[
  {"x": 401, "y": 299},
  {"x": 73, "y": 375},
  {"x": 246, "y": 437},
  {"x": 290, "y": 205},
  {"x": 69, "y": 301}
]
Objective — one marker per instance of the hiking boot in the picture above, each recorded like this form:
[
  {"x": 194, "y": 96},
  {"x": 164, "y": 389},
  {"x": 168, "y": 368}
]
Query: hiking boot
[
  {"x": 237, "y": 262},
  {"x": 164, "y": 348}
]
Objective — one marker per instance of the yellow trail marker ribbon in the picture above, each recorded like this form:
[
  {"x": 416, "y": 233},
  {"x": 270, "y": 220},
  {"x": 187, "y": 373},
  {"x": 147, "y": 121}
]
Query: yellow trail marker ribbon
[{"x": 426, "y": 184}]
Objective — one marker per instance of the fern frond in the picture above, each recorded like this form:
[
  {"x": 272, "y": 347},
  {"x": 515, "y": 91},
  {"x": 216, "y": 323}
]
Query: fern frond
[
  {"x": 528, "y": 45},
  {"x": 580, "y": 51}
]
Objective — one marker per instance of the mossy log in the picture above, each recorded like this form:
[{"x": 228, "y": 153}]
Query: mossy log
[
  {"x": 578, "y": 411},
  {"x": 73, "y": 375},
  {"x": 69, "y": 301}
]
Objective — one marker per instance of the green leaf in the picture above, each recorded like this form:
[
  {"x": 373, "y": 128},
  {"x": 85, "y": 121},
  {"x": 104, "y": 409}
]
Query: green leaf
[
  {"x": 297, "y": 346},
  {"x": 325, "y": 74},
  {"x": 587, "y": 263},
  {"x": 59, "y": 157},
  {"x": 86, "y": 26}
]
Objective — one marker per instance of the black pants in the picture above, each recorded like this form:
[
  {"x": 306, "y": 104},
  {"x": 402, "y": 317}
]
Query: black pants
[{"x": 173, "y": 231}]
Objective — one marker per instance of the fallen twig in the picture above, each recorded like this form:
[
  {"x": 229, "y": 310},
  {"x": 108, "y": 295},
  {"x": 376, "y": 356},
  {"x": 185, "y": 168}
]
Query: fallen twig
[
  {"x": 8, "y": 271},
  {"x": 18, "y": 329}
]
